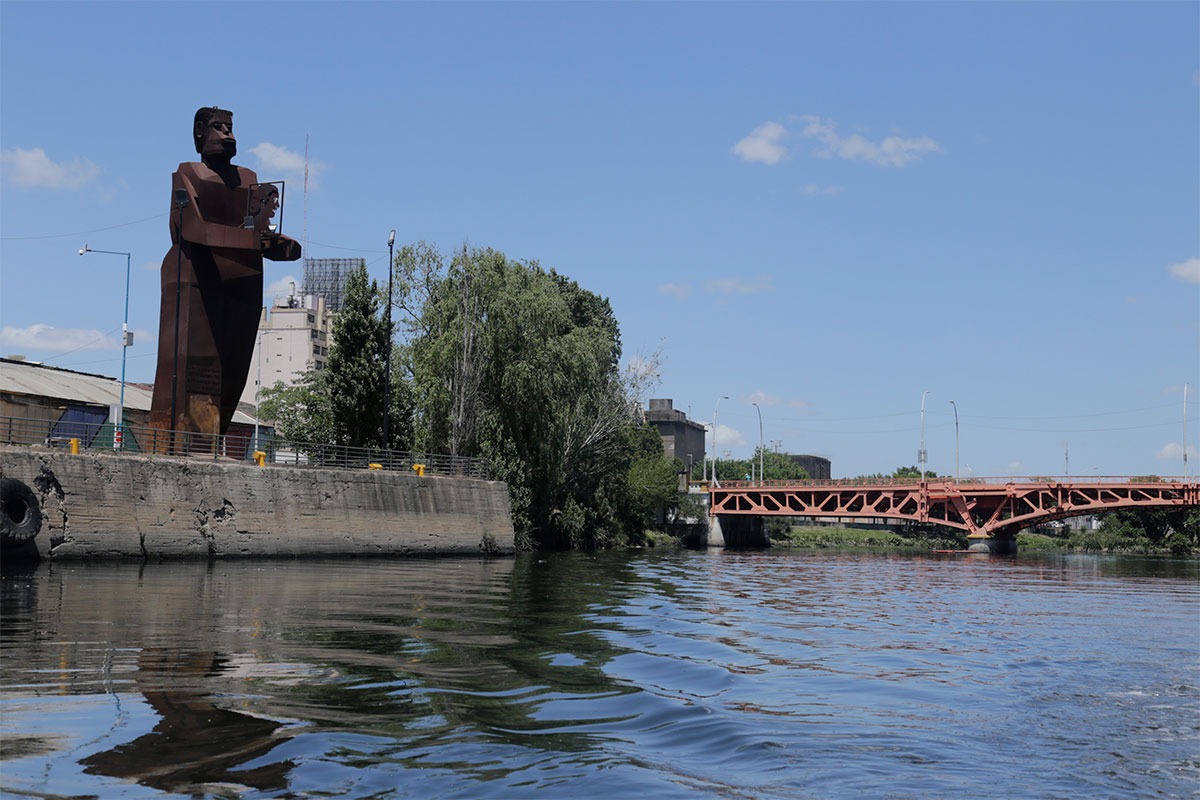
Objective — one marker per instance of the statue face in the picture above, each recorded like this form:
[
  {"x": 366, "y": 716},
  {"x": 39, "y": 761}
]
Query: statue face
[{"x": 218, "y": 137}]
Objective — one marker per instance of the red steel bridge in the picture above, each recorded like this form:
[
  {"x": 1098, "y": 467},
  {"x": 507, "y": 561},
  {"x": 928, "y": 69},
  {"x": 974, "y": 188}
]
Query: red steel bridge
[{"x": 984, "y": 508}]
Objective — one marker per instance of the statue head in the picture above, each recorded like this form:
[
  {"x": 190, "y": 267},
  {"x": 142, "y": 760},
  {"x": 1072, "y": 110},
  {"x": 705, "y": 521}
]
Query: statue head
[
  {"x": 212, "y": 131},
  {"x": 264, "y": 201}
]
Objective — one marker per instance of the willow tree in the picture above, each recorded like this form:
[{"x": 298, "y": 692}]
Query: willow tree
[{"x": 519, "y": 365}]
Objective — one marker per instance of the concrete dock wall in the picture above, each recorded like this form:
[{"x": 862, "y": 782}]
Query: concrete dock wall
[{"x": 100, "y": 505}]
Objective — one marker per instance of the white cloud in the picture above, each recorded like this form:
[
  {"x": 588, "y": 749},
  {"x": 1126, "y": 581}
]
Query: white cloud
[
  {"x": 275, "y": 162},
  {"x": 1173, "y": 451},
  {"x": 284, "y": 287},
  {"x": 675, "y": 290},
  {"x": 894, "y": 151},
  {"x": 40, "y": 336},
  {"x": 763, "y": 399},
  {"x": 733, "y": 286},
  {"x": 30, "y": 169},
  {"x": 1187, "y": 271},
  {"x": 728, "y": 438},
  {"x": 763, "y": 144}
]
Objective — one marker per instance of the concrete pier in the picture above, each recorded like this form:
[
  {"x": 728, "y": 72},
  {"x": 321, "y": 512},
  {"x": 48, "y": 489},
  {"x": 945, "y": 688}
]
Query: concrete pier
[
  {"x": 737, "y": 530},
  {"x": 99, "y": 505}
]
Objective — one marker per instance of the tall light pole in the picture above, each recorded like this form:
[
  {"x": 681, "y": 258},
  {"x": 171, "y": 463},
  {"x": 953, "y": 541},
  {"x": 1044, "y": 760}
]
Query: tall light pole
[
  {"x": 1185, "y": 439},
  {"x": 126, "y": 340},
  {"x": 715, "y": 409},
  {"x": 387, "y": 370},
  {"x": 955, "y": 439},
  {"x": 922, "y": 456},
  {"x": 760, "y": 444}
]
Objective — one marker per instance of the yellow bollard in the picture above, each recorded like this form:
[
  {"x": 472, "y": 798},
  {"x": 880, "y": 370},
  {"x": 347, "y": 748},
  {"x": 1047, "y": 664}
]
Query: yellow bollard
[
  {"x": 74, "y": 447},
  {"x": 374, "y": 466},
  {"x": 419, "y": 469},
  {"x": 260, "y": 457}
]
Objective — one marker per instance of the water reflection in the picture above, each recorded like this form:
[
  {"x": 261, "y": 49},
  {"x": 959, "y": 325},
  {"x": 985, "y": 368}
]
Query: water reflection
[
  {"x": 196, "y": 741},
  {"x": 680, "y": 675}
]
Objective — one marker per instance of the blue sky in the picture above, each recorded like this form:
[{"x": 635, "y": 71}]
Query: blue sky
[{"x": 829, "y": 209}]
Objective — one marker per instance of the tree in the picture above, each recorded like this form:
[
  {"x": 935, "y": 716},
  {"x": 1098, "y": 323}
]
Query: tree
[
  {"x": 520, "y": 365},
  {"x": 301, "y": 412},
  {"x": 1175, "y": 529},
  {"x": 355, "y": 370}
]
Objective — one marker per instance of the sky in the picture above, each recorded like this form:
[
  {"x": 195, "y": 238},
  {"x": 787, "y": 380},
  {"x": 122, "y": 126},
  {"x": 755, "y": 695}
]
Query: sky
[{"x": 855, "y": 222}]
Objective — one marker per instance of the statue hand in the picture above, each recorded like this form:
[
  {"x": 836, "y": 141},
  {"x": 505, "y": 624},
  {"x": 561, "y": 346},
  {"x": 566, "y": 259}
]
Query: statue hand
[{"x": 277, "y": 247}]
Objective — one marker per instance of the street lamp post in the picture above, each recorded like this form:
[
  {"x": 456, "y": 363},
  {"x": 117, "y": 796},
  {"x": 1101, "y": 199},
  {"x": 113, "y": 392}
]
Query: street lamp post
[
  {"x": 955, "y": 439},
  {"x": 922, "y": 456},
  {"x": 715, "y": 409},
  {"x": 119, "y": 425},
  {"x": 387, "y": 370},
  {"x": 760, "y": 443}
]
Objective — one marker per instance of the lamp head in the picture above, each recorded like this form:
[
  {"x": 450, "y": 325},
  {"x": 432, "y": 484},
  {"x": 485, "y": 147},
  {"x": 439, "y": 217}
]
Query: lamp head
[
  {"x": 83, "y": 249},
  {"x": 392, "y": 237}
]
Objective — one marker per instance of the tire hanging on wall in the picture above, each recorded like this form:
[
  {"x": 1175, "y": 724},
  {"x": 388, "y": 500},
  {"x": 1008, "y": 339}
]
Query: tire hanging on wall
[{"x": 20, "y": 513}]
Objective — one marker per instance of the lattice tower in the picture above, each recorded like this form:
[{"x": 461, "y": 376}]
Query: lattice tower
[{"x": 326, "y": 277}]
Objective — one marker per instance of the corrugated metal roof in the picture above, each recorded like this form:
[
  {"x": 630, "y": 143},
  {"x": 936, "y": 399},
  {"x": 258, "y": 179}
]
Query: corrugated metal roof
[{"x": 40, "y": 380}]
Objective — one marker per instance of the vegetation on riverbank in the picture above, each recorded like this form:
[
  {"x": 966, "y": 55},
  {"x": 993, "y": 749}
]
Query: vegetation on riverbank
[
  {"x": 501, "y": 360},
  {"x": 1133, "y": 531}
]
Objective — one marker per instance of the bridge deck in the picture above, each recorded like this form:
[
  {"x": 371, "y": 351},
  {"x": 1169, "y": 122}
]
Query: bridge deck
[{"x": 983, "y": 507}]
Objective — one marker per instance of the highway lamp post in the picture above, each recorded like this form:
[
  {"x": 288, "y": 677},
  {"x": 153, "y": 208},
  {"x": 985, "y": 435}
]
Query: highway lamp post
[
  {"x": 922, "y": 456},
  {"x": 760, "y": 443},
  {"x": 955, "y": 439},
  {"x": 387, "y": 369},
  {"x": 1185, "y": 439},
  {"x": 119, "y": 424},
  {"x": 715, "y": 410}
]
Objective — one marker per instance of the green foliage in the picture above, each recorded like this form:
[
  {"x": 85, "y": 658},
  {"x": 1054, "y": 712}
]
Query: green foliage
[
  {"x": 301, "y": 412},
  {"x": 1176, "y": 530},
  {"x": 901, "y": 473},
  {"x": 343, "y": 404},
  {"x": 355, "y": 370},
  {"x": 519, "y": 365}
]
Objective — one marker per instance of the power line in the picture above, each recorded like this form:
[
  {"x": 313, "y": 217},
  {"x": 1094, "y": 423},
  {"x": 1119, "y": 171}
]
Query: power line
[{"x": 82, "y": 233}]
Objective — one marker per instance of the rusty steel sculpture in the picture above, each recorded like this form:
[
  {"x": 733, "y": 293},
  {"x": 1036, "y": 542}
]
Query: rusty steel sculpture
[{"x": 212, "y": 283}]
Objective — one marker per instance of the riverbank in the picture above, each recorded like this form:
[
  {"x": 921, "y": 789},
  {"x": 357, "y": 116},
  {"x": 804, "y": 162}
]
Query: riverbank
[
  {"x": 98, "y": 505},
  {"x": 803, "y": 537},
  {"x": 1027, "y": 542}
]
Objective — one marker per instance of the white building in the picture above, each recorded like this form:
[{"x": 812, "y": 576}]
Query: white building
[{"x": 292, "y": 338}]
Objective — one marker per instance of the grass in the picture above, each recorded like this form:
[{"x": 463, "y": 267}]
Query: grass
[{"x": 814, "y": 537}]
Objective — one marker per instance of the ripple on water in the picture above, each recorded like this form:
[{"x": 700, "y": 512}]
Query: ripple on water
[{"x": 618, "y": 675}]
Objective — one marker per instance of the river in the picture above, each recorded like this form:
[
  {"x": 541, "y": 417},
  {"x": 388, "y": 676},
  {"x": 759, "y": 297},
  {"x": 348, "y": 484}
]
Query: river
[{"x": 644, "y": 674}]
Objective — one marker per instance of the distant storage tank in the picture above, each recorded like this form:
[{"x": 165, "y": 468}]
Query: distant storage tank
[{"x": 817, "y": 467}]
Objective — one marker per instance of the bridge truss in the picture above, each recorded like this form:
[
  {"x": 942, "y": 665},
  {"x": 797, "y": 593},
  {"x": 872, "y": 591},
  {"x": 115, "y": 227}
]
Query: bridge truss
[{"x": 983, "y": 507}]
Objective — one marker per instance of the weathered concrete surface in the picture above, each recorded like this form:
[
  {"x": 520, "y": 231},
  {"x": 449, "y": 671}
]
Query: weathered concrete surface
[{"x": 100, "y": 505}]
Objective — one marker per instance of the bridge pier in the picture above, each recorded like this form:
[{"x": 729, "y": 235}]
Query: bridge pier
[
  {"x": 737, "y": 530},
  {"x": 995, "y": 545}
]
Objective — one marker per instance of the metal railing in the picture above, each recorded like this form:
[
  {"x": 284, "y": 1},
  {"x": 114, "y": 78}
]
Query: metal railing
[{"x": 242, "y": 446}]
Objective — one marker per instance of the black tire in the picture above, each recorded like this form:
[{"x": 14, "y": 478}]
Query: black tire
[{"x": 20, "y": 514}]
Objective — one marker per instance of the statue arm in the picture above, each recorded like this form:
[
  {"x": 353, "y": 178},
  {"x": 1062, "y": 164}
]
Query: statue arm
[
  {"x": 277, "y": 247},
  {"x": 198, "y": 230}
]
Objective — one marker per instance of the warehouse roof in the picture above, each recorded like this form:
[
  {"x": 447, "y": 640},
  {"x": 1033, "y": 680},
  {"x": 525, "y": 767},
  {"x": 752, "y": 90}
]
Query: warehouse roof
[{"x": 40, "y": 380}]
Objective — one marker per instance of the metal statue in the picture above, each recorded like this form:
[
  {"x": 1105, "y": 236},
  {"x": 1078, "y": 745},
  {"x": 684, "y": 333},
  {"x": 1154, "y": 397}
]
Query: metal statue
[{"x": 212, "y": 282}]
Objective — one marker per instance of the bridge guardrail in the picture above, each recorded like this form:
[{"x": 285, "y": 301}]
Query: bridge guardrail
[
  {"x": 139, "y": 439},
  {"x": 988, "y": 481}
]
